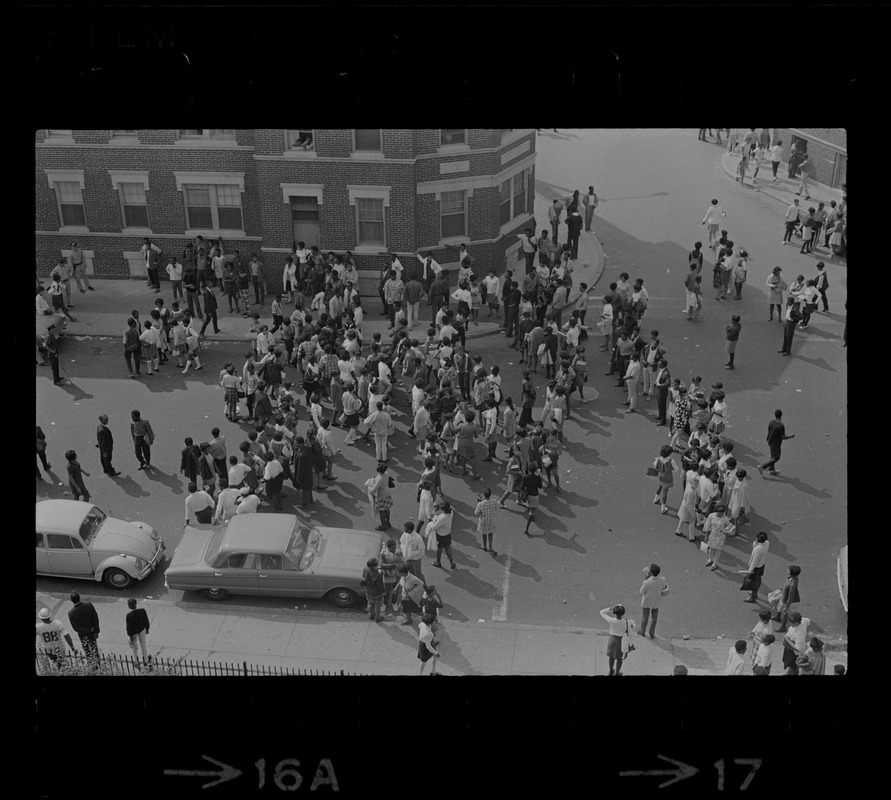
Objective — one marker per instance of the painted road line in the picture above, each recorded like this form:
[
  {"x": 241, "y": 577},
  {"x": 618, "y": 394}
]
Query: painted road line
[{"x": 499, "y": 609}]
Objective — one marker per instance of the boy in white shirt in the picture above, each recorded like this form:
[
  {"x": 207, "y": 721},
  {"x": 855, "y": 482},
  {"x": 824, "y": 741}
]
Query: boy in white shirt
[{"x": 493, "y": 293}]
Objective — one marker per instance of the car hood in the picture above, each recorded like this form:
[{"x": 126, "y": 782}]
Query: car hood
[
  {"x": 346, "y": 550},
  {"x": 191, "y": 548},
  {"x": 117, "y": 536}
]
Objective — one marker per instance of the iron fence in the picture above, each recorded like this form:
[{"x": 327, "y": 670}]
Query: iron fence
[{"x": 117, "y": 665}]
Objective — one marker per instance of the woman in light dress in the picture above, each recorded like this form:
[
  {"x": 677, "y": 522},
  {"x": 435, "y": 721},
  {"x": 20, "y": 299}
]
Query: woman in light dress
[
  {"x": 775, "y": 288},
  {"x": 687, "y": 510}
]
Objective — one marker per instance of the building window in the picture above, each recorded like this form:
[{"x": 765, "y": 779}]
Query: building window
[
  {"x": 370, "y": 221},
  {"x": 124, "y": 134},
  {"x": 299, "y": 140},
  {"x": 504, "y": 193},
  {"x": 453, "y": 214},
  {"x": 207, "y": 133},
  {"x": 55, "y": 133},
  {"x": 452, "y": 136},
  {"x": 520, "y": 193},
  {"x": 213, "y": 207},
  {"x": 367, "y": 140},
  {"x": 135, "y": 206},
  {"x": 71, "y": 203}
]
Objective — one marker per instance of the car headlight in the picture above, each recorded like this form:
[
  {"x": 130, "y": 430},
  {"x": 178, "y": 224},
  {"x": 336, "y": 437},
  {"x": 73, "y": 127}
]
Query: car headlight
[{"x": 140, "y": 564}]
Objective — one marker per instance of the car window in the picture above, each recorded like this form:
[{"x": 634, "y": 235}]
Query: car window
[
  {"x": 270, "y": 561},
  {"x": 40, "y": 541},
  {"x": 303, "y": 546},
  {"x": 91, "y": 524},
  {"x": 59, "y": 541},
  {"x": 240, "y": 561}
]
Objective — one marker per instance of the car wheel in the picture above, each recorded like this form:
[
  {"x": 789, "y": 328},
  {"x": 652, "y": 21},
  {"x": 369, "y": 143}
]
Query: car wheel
[
  {"x": 342, "y": 598},
  {"x": 216, "y": 594},
  {"x": 117, "y": 578}
]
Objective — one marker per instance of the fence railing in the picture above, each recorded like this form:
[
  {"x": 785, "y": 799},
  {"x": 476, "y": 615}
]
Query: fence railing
[{"x": 112, "y": 664}]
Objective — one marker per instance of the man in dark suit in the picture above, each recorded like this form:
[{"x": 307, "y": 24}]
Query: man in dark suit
[
  {"x": 791, "y": 317},
  {"x": 85, "y": 623},
  {"x": 210, "y": 310},
  {"x": 662, "y": 380},
  {"x": 105, "y": 443}
]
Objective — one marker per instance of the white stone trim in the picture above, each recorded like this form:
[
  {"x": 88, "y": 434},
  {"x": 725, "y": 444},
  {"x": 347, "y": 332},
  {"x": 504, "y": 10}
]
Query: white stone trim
[
  {"x": 302, "y": 190},
  {"x": 369, "y": 193},
  {"x": 82, "y": 229},
  {"x": 137, "y": 232},
  {"x": 136, "y": 261},
  {"x": 455, "y": 185},
  {"x": 511, "y": 154},
  {"x": 509, "y": 226},
  {"x": 451, "y": 167},
  {"x": 185, "y": 235},
  {"x": 118, "y": 177},
  {"x": 55, "y": 176},
  {"x": 513, "y": 169},
  {"x": 209, "y": 178},
  {"x": 366, "y": 155},
  {"x": 225, "y": 233}
]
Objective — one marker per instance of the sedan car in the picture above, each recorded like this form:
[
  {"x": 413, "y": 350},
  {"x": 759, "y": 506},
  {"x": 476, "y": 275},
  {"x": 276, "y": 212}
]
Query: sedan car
[
  {"x": 79, "y": 540},
  {"x": 275, "y": 555}
]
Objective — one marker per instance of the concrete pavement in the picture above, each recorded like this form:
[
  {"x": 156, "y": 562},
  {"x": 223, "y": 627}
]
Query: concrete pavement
[{"x": 348, "y": 641}]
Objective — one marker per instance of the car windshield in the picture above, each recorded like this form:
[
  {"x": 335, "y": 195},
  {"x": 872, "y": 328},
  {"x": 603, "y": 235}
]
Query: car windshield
[
  {"x": 303, "y": 546},
  {"x": 91, "y": 525}
]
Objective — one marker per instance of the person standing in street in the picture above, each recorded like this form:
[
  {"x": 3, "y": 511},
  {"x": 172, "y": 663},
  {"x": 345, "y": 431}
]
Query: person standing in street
[
  {"x": 791, "y": 219},
  {"x": 589, "y": 201},
  {"x": 661, "y": 381},
  {"x": 210, "y": 311},
  {"x": 390, "y": 558},
  {"x": 652, "y": 590},
  {"x": 427, "y": 645},
  {"x": 715, "y": 529},
  {"x": 813, "y": 662},
  {"x": 373, "y": 583},
  {"x": 619, "y": 631},
  {"x": 788, "y": 597},
  {"x": 412, "y": 546},
  {"x": 51, "y": 343},
  {"x": 822, "y": 284},
  {"x": 555, "y": 210},
  {"x": 775, "y": 288},
  {"x": 713, "y": 216},
  {"x": 486, "y": 512},
  {"x": 41, "y": 452},
  {"x": 795, "y": 642},
  {"x": 732, "y": 335},
  {"x": 529, "y": 246},
  {"x": 740, "y": 273},
  {"x": 441, "y": 527},
  {"x": 137, "y": 627},
  {"x": 75, "y": 477},
  {"x": 804, "y": 168},
  {"x": 85, "y": 623},
  {"x": 105, "y": 443},
  {"x": 755, "y": 568},
  {"x": 531, "y": 488},
  {"x": 776, "y": 435},
  {"x": 50, "y": 635},
  {"x": 78, "y": 265},
  {"x": 574, "y": 230},
  {"x": 791, "y": 317},
  {"x": 143, "y": 439},
  {"x": 776, "y": 158},
  {"x": 175, "y": 271},
  {"x": 199, "y": 503},
  {"x": 631, "y": 378},
  {"x": 736, "y": 664}
]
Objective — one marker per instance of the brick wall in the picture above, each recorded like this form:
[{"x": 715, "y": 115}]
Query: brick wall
[{"x": 822, "y": 156}]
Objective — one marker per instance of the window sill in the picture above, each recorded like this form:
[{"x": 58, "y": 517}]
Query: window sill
[
  {"x": 58, "y": 140},
  {"x": 206, "y": 143},
  {"x": 127, "y": 141},
  {"x": 137, "y": 231},
  {"x": 368, "y": 250},
  {"x": 513, "y": 136},
  {"x": 74, "y": 229},
  {"x": 453, "y": 149},
  {"x": 511, "y": 225},
  {"x": 301, "y": 153},
  {"x": 453, "y": 241},
  {"x": 225, "y": 234},
  {"x": 367, "y": 155}
]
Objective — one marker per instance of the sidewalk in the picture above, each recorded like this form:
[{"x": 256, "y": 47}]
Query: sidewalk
[
  {"x": 785, "y": 188},
  {"x": 104, "y": 312},
  {"x": 348, "y": 641}
]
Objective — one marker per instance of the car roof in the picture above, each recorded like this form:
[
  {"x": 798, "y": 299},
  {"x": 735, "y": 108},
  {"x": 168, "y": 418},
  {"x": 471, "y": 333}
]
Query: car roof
[
  {"x": 61, "y": 515},
  {"x": 258, "y": 533}
]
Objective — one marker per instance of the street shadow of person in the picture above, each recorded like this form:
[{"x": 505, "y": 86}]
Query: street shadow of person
[
  {"x": 800, "y": 485},
  {"x": 131, "y": 487},
  {"x": 171, "y": 481},
  {"x": 519, "y": 568},
  {"x": 50, "y": 489},
  {"x": 817, "y": 362},
  {"x": 345, "y": 502},
  {"x": 463, "y": 579},
  {"x": 452, "y": 655},
  {"x": 453, "y": 613},
  {"x": 77, "y": 394},
  {"x": 586, "y": 455}
]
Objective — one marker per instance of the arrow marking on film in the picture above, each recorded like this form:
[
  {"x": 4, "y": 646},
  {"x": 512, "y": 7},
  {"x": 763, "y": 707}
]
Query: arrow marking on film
[
  {"x": 683, "y": 771},
  {"x": 227, "y": 774}
]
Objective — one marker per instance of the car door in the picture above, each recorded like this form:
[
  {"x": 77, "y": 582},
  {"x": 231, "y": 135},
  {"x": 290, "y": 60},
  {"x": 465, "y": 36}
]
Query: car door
[
  {"x": 42, "y": 555},
  {"x": 237, "y": 574},
  {"x": 279, "y": 576},
  {"x": 67, "y": 556}
]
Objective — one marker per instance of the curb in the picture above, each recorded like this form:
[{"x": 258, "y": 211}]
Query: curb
[{"x": 731, "y": 172}]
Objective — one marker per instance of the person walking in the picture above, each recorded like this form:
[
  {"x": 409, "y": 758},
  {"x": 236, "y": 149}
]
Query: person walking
[
  {"x": 652, "y": 590},
  {"x": 84, "y": 622},
  {"x": 380, "y": 424},
  {"x": 412, "y": 546},
  {"x": 791, "y": 219},
  {"x": 631, "y": 378},
  {"x": 821, "y": 281},
  {"x": 687, "y": 509},
  {"x": 795, "y": 642},
  {"x": 664, "y": 468},
  {"x": 143, "y": 439},
  {"x": 389, "y": 560},
  {"x": 75, "y": 477},
  {"x": 137, "y": 623},
  {"x": 52, "y": 636},
  {"x": 619, "y": 633},
  {"x": 715, "y": 529},
  {"x": 775, "y": 288},
  {"x": 373, "y": 582},
  {"x": 210, "y": 311},
  {"x": 427, "y": 645},
  {"x": 486, "y": 512},
  {"x": 732, "y": 337},
  {"x": 590, "y": 202},
  {"x": 105, "y": 443},
  {"x": 555, "y": 210},
  {"x": 411, "y": 590},
  {"x": 41, "y": 452},
  {"x": 776, "y": 158},
  {"x": 531, "y": 488},
  {"x": 755, "y": 569},
  {"x": 713, "y": 216},
  {"x": 740, "y": 273},
  {"x": 441, "y": 527},
  {"x": 791, "y": 317},
  {"x": 78, "y": 264},
  {"x": 380, "y": 496},
  {"x": 786, "y": 599},
  {"x": 574, "y": 230}
]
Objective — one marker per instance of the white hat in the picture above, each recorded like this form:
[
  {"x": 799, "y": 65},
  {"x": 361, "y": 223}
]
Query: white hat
[{"x": 44, "y": 613}]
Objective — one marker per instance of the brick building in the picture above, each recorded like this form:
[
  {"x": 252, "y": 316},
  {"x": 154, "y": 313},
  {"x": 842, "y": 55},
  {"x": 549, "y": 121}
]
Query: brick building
[
  {"x": 827, "y": 148},
  {"x": 367, "y": 191}
]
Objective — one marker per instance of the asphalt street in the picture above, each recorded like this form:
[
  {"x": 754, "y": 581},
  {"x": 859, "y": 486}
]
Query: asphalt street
[{"x": 592, "y": 541}]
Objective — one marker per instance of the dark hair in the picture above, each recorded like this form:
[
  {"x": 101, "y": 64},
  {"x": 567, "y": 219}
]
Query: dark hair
[
  {"x": 740, "y": 646},
  {"x": 768, "y": 639},
  {"x": 765, "y": 615},
  {"x": 74, "y": 597},
  {"x": 131, "y": 603},
  {"x": 761, "y": 537},
  {"x": 655, "y": 569},
  {"x": 795, "y": 570},
  {"x": 679, "y": 669}
]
